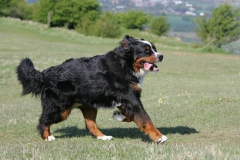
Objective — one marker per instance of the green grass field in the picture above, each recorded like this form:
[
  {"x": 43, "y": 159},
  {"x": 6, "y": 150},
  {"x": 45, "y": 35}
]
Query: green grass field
[{"x": 194, "y": 100}]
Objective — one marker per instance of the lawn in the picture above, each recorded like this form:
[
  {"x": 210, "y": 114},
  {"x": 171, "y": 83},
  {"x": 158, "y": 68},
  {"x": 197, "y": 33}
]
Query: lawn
[{"x": 194, "y": 100}]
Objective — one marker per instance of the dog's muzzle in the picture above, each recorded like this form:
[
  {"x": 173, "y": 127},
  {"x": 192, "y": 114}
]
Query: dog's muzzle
[{"x": 160, "y": 57}]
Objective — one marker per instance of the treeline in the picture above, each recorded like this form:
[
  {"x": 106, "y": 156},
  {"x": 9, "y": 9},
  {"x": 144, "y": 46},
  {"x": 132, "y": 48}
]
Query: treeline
[
  {"x": 15, "y": 8},
  {"x": 85, "y": 16}
]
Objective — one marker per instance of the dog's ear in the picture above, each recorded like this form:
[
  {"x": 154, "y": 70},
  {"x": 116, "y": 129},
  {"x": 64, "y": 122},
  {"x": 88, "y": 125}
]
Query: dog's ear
[
  {"x": 127, "y": 36},
  {"x": 125, "y": 42}
]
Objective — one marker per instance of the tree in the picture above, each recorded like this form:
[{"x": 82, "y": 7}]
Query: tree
[
  {"x": 105, "y": 26},
  {"x": 159, "y": 26},
  {"x": 4, "y": 7},
  {"x": 69, "y": 12},
  {"x": 222, "y": 28},
  {"x": 15, "y": 8},
  {"x": 133, "y": 19},
  {"x": 66, "y": 12},
  {"x": 20, "y": 9},
  {"x": 41, "y": 10}
]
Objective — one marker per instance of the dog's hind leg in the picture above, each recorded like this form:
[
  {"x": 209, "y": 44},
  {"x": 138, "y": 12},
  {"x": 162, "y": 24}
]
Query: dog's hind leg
[
  {"x": 47, "y": 119},
  {"x": 90, "y": 115}
]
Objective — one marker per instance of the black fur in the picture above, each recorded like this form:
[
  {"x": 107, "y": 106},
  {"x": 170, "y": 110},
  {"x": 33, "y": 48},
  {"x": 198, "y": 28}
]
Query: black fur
[
  {"x": 99, "y": 81},
  {"x": 31, "y": 79}
]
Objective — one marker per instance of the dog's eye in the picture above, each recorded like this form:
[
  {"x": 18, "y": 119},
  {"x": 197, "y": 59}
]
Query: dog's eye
[{"x": 147, "y": 48}]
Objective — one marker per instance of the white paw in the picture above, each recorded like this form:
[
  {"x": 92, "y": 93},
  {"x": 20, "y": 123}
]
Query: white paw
[
  {"x": 50, "y": 138},
  {"x": 162, "y": 139},
  {"x": 104, "y": 137},
  {"x": 117, "y": 115}
]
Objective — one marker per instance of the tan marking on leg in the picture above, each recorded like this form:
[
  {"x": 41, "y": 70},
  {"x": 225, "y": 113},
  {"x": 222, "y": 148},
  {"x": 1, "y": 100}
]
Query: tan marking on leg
[
  {"x": 46, "y": 132},
  {"x": 90, "y": 115},
  {"x": 153, "y": 133},
  {"x": 65, "y": 113},
  {"x": 147, "y": 126},
  {"x": 127, "y": 119}
]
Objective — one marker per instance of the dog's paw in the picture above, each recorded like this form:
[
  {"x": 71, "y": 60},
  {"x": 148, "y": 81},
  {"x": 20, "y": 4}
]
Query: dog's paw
[
  {"x": 50, "y": 138},
  {"x": 104, "y": 137},
  {"x": 162, "y": 139},
  {"x": 117, "y": 115}
]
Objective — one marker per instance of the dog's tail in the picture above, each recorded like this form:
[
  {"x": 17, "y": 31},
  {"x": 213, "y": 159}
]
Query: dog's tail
[{"x": 29, "y": 77}]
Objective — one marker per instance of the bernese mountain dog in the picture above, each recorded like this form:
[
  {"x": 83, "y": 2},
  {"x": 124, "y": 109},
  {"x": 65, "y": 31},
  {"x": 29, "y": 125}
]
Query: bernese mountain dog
[{"x": 112, "y": 80}]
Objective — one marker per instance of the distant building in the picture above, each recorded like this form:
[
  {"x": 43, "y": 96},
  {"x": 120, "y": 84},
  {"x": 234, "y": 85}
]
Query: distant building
[
  {"x": 201, "y": 14},
  {"x": 188, "y": 4},
  {"x": 143, "y": 3},
  {"x": 165, "y": 3},
  {"x": 120, "y": 7},
  {"x": 190, "y": 13},
  {"x": 178, "y": 2},
  {"x": 191, "y": 9}
]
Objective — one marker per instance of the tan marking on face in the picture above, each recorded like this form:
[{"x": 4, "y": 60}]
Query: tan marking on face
[{"x": 137, "y": 65}]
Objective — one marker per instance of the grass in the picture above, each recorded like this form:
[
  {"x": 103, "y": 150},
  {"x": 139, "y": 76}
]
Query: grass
[{"x": 194, "y": 100}]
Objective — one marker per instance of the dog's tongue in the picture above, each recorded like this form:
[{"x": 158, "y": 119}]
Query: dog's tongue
[
  {"x": 151, "y": 67},
  {"x": 147, "y": 66}
]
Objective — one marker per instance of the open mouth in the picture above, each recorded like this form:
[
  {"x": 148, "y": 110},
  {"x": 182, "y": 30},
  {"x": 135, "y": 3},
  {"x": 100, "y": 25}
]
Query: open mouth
[{"x": 148, "y": 66}]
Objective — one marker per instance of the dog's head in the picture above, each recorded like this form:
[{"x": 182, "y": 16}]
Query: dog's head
[{"x": 144, "y": 53}]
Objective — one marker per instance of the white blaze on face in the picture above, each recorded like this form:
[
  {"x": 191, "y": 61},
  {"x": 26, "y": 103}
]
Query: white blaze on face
[{"x": 156, "y": 53}]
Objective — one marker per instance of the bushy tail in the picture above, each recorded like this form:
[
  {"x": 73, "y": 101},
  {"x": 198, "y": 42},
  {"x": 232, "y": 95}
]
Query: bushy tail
[{"x": 29, "y": 77}]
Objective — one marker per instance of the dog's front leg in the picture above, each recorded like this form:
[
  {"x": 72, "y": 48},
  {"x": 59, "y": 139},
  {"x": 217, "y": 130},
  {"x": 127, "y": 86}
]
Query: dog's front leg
[
  {"x": 145, "y": 124},
  {"x": 143, "y": 121}
]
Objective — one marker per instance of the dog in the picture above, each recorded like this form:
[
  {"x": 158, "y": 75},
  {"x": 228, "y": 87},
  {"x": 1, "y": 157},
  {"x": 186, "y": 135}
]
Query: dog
[{"x": 112, "y": 80}]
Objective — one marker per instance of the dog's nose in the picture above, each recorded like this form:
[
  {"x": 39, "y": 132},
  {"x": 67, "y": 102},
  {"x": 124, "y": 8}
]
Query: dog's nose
[{"x": 160, "y": 57}]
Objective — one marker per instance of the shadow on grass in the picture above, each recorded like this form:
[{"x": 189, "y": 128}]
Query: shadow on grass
[
  {"x": 178, "y": 130},
  {"x": 132, "y": 133}
]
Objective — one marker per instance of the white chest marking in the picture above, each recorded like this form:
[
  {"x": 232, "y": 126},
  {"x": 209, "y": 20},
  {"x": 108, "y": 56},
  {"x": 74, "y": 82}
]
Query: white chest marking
[{"x": 140, "y": 76}]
